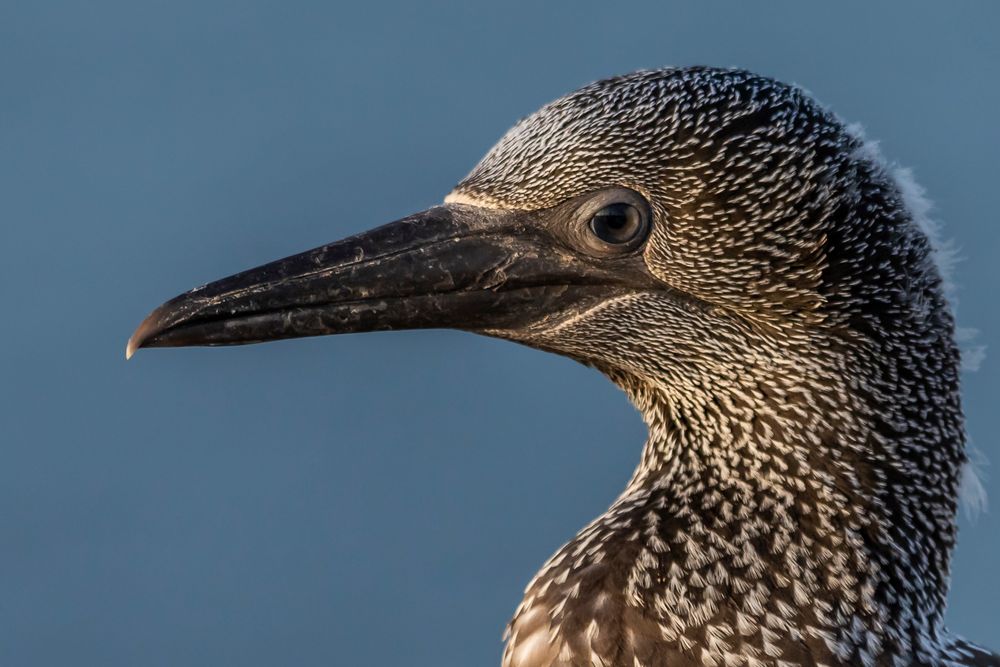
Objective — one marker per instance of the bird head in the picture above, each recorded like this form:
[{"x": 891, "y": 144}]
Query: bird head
[
  {"x": 744, "y": 266},
  {"x": 691, "y": 231}
]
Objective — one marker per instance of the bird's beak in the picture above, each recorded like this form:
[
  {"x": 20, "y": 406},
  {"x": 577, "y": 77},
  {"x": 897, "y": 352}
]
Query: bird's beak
[{"x": 451, "y": 266}]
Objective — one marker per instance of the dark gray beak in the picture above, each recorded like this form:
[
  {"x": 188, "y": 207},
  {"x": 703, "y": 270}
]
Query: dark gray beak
[{"x": 451, "y": 266}]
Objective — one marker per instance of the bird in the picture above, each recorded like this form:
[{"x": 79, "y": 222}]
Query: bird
[{"x": 766, "y": 289}]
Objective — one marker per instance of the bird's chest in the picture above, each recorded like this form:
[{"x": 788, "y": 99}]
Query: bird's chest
[
  {"x": 589, "y": 605},
  {"x": 595, "y": 617},
  {"x": 656, "y": 585},
  {"x": 557, "y": 624}
]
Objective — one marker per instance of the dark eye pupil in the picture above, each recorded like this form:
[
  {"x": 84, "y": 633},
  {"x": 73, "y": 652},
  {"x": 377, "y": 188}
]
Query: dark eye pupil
[{"x": 617, "y": 223}]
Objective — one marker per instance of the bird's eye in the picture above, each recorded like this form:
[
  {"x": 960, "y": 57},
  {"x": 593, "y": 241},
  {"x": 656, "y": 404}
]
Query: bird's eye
[{"x": 618, "y": 224}]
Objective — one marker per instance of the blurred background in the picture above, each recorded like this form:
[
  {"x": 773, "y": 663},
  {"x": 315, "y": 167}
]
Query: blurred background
[{"x": 377, "y": 499}]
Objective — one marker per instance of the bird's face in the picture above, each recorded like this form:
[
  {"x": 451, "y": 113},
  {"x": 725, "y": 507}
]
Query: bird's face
[{"x": 640, "y": 224}]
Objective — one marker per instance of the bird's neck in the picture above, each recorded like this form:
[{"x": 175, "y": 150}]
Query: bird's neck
[{"x": 776, "y": 533}]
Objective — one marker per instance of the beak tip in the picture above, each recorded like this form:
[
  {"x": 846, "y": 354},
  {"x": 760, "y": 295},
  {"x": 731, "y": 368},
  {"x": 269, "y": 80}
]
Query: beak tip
[
  {"x": 139, "y": 338},
  {"x": 147, "y": 329}
]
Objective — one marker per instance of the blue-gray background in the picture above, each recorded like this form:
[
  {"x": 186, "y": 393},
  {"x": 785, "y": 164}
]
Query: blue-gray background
[{"x": 379, "y": 499}]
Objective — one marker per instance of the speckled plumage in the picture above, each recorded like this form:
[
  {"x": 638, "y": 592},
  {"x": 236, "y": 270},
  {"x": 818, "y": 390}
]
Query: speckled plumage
[{"x": 795, "y": 503}]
